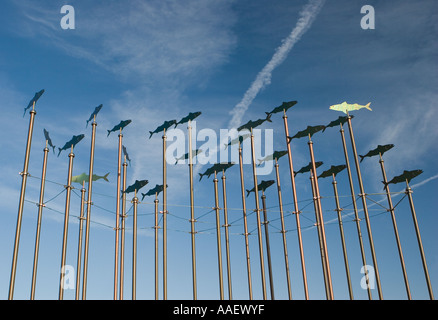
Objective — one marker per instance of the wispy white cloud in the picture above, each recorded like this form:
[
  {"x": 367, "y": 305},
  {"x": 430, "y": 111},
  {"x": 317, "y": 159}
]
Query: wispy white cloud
[{"x": 307, "y": 16}]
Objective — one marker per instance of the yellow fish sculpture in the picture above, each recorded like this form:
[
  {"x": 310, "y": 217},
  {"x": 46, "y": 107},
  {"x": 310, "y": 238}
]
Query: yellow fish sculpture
[{"x": 344, "y": 107}]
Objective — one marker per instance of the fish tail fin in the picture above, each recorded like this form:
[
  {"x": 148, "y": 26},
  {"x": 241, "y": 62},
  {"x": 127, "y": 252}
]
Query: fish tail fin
[
  {"x": 295, "y": 173},
  {"x": 105, "y": 177},
  {"x": 59, "y": 151},
  {"x": 268, "y": 114},
  {"x": 268, "y": 117},
  {"x": 368, "y": 106},
  {"x": 361, "y": 158},
  {"x": 109, "y": 131},
  {"x": 151, "y": 134},
  {"x": 87, "y": 124},
  {"x": 200, "y": 175},
  {"x": 384, "y": 185},
  {"x": 142, "y": 196},
  {"x": 226, "y": 146},
  {"x": 260, "y": 162},
  {"x": 247, "y": 192}
]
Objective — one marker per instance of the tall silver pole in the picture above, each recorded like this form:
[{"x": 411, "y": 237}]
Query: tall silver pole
[
  {"x": 122, "y": 236},
  {"x": 259, "y": 228},
  {"x": 117, "y": 228},
  {"x": 164, "y": 218},
  {"x": 297, "y": 211},
  {"x": 268, "y": 246},
  {"x": 365, "y": 208},
  {"x": 283, "y": 231},
  {"x": 356, "y": 214},
  {"x": 227, "y": 237},
  {"x": 81, "y": 223},
  {"x": 156, "y": 227},
  {"x": 394, "y": 224},
  {"x": 245, "y": 222},
  {"x": 218, "y": 236},
  {"x": 66, "y": 221},
  {"x": 192, "y": 212},
  {"x": 24, "y": 175},
  {"x": 341, "y": 230},
  {"x": 89, "y": 204},
  {"x": 38, "y": 231},
  {"x": 420, "y": 243}
]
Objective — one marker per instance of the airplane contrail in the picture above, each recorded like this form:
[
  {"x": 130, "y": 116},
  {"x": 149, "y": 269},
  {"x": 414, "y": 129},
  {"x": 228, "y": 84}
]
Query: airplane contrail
[{"x": 307, "y": 16}]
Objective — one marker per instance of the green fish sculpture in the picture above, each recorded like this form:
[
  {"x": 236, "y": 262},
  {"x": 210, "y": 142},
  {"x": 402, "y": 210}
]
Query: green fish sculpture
[
  {"x": 405, "y": 176},
  {"x": 262, "y": 186},
  {"x": 85, "y": 177},
  {"x": 333, "y": 170},
  {"x": 345, "y": 107}
]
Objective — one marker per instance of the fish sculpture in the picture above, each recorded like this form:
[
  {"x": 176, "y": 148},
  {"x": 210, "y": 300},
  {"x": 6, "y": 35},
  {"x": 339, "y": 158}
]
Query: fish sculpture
[
  {"x": 379, "y": 150},
  {"x": 333, "y": 170},
  {"x": 285, "y": 106},
  {"x": 136, "y": 186},
  {"x": 73, "y": 142},
  {"x": 85, "y": 177},
  {"x": 120, "y": 126},
  {"x": 252, "y": 124},
  {"x": 337, "y": 122},
  {"x": 49, "y": 141},
  {"x": 186, "y": 156},
  {"x": 405, "y": 176},
  {"x": 126, "y": 154},
  {"x": 94, "y": 114},
  {"x": 276, "y": 155},
  {"x": 190, "y": 117},
  {"x": 345, "y": 107},
  {"x": 33, "y": 100},
  {"x": 262, "y": 186},
  {"x": 156, "y": 190},
  {"x": 217, "y": 167},
  {"x": 305, "y": 133},
  {"x": 240, "y": 139},
  {"x": 166, "y": 125},
  {"x": 308, "y": 167}
]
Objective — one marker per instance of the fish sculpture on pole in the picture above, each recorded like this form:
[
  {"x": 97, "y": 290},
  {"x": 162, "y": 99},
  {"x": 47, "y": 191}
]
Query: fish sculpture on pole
[
  {"x": 261, "y": 186},
  {"x": 154, "y": 191},
  {"x": 186, "y": 156},
  {"x": 94, "y": 114},
  {"x": 125, "y": 153},
  {"x": 308, "y": 167},
  {"x": 276, "y": 155},
  {"x": 334, "y": 170},
  {"x": 72, "y": 143},
  {"x": 33, "y": 101},
  {"x": 237, "y": 140},
  {"x": 49, "y": 141},
  {"x": 337, "y": 122},
  {"x": 379, "y": 150},
  {"x": 252, "y": 124},
  {"x": 166, "y": 125},
  {"x": 190, "y": 117},
  {"x": 405, "y": 176},
  {"x": 284, "y": 107},
  {"x": 309, "y": 131},
  {"x": 216, "y": 168},
  {"x": 138, "y": 184},
  {"x": 119, "y": 127},
  {"x": 346, "y": 107},
  {"x": 85, "y": 177}
]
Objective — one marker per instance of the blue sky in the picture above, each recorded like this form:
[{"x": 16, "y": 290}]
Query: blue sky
[{"x": 151, "y": 61}]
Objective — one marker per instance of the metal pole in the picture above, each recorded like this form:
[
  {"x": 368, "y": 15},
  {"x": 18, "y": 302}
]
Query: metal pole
[
  {"x": 218, "y": 236},
  {"x": 297, "y": 211},
  {"x": 40, "y": 214},
  {"x": 321, "y": 219},
  {"x": 365, "y": 208},
  {"x": 259, "y": 228},
  {"x": 117, "y": 228},
  {"x": 356, "y": 214},
  {"x": 394, "y": 224},
  {"x": 81, "y": 223},
  {"x": 318, "y": 227},
  {"x": 156, "y": 227},
  {"x": 268, "y": 247},
  {"x": 420, "y": 243},
  {"x": 24, "y": 175},
  {"x": 341, "y": 230},
  {"x": 164, "y": 218},
  {"x": 89, "y": 203},
  {"x": 192, "y": 212},
  {"x": 66, "y": 221},
  {"x": 227, "y": 239},
  {"x": 122, "y": 236},
  {"x": 245, "y": 222},
  {"x": 134, "y": 248},
  {"x": 283, "y": 231}
]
